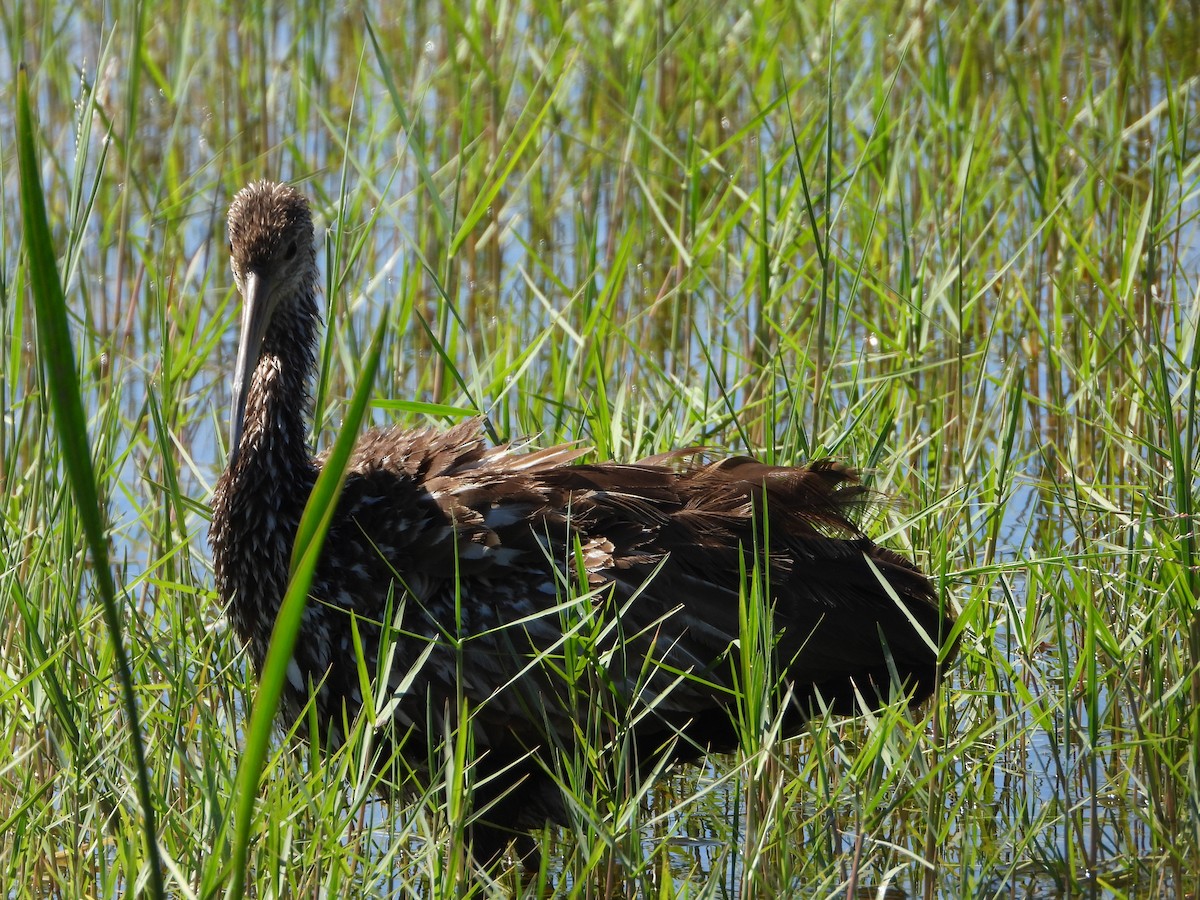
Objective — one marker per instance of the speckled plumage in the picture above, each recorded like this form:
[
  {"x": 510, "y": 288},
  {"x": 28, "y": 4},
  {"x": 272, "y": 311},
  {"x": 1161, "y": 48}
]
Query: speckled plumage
[{"x": 484, "y": 552}]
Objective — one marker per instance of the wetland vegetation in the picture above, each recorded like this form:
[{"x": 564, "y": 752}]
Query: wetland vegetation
[{"x": 956, "y": 248}]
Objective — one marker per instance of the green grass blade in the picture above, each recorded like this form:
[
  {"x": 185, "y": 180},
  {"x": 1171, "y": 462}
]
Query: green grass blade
[
  {"x": 58, "y": 361},
  {"x": 310, "y": 537}
]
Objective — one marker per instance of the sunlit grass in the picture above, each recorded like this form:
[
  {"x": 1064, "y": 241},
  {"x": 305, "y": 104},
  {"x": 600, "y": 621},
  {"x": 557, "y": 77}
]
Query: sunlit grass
[{"x": 957, "y": 249}]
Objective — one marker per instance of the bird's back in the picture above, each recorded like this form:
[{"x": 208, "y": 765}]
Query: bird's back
[{"x": 475, "y": 567}]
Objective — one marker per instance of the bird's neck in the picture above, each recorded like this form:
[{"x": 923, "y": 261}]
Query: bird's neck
[
  {"x": 260, "y": 497},
  {"x": 274, "y": 442}
]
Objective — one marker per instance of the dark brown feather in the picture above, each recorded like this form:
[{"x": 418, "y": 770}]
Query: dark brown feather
[{"x": 485, "y": 552}]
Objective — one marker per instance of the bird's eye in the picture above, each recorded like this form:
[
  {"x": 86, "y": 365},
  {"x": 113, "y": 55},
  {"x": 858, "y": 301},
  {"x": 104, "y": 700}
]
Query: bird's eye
[
  {"x": 230, "y": 248},
  {"x": 291, "y": 250}
]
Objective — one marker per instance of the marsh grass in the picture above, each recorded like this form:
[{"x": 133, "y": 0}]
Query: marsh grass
[{"x": 957, "y": 249}]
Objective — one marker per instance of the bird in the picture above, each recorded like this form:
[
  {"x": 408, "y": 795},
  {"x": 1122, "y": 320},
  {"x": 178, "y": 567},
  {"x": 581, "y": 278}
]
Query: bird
[{"x": 460, "y": 569}]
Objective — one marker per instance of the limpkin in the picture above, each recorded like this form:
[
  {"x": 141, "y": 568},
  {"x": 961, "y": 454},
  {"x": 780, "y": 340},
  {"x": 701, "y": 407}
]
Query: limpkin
[{"x": 475, "y": 551}]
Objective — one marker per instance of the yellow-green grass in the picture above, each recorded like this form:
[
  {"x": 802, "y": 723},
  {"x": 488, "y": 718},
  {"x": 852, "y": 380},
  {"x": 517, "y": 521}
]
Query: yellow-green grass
[{"x": 956, "y": 248}]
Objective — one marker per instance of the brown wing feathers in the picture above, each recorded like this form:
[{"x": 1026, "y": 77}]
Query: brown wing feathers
[{"x": 680, "y": 536}]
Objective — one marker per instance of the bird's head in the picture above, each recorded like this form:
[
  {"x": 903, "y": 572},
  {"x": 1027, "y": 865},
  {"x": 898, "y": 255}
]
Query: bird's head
[{"x": 273, "y": 258}]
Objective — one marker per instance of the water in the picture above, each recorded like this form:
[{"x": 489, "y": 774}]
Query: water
[{"x": 587, "y": 224}]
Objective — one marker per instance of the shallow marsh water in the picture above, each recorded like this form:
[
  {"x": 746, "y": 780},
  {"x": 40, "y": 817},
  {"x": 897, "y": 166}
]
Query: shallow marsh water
[{"x": 957, "y": 248}]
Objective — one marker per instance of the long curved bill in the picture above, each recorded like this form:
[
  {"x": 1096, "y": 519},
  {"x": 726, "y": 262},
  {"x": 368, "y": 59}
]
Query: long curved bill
[{"x": 256, "y": 293}]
